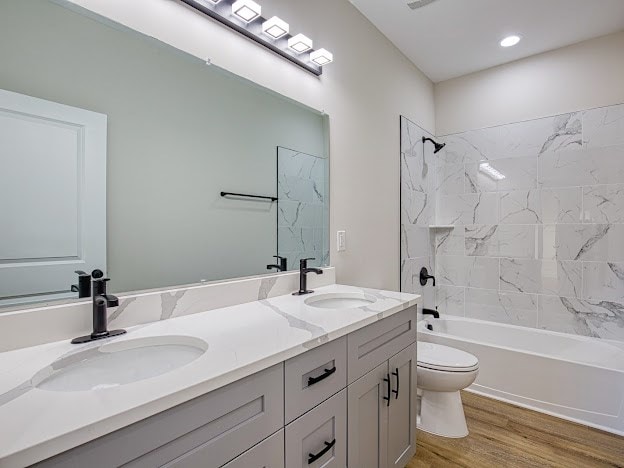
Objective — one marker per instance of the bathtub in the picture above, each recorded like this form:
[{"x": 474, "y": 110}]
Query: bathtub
[{"x": 576, "y": 378}]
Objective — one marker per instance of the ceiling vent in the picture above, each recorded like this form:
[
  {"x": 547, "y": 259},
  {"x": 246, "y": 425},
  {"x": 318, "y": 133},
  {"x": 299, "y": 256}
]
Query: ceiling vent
[{"x": 416, "y": 4}]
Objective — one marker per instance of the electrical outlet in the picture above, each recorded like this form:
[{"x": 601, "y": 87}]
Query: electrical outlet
[{"x": 341, "y": 241}]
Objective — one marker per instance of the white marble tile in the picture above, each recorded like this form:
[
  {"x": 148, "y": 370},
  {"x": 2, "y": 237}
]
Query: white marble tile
[
  {"x": 520, "y": 207},
  {"x": 475, "y": 272},
  {"x": 603, "y": 281},
  {"x": 515, "y": 174},
  {"x": 586, "y": 167},
  {"x": 604, "y": 126},
  {"x": 495, "y": 306},
  {"x": 416, "y": 172},
  {"x": 417, "y": 208},
  {"x": 450, "y": 270},
  {"x": 450, "y": 300},
  {"x": 482, "y": 272},
  {"x": 534, "y": 137},
  {"x": 517, "y": 241},
  {"x": 541, "y": 276},
  {"x": 449, "y": 179},
  {"x": 589, "y": 242},
  {"x": 298, "y": 214},
  {"x": 467, "y": 208},
  {"x": 561, "y": 205},
  {"x": 482, "y": 240},
  {"x": 450, "y": 241},
  {"x": 415, "y": 241},
  {"x": 599, "y": 319},
  {"x": 603, "y": 204},
  {"x": 472, "y": 146}
]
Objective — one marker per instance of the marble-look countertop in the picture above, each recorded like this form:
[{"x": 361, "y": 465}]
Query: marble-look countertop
[{"x": 242, "y": 340}]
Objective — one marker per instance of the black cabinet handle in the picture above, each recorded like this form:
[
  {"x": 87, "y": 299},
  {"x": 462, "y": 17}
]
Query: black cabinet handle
[
  {"x": 387, "y": 380},
  {"x": 327, "y": 373},
  {"x": 313, "y": 457},
  {"x": 396, "y": 392}
]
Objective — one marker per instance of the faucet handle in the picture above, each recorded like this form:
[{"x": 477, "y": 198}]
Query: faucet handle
[
  {"x": 303, "y": 263},
  {"x": 99, "y": 286},
  {"x": 81, "y": 273}
]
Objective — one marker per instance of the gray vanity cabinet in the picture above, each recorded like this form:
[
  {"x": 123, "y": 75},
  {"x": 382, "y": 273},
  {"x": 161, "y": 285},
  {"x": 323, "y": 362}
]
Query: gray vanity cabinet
[
  {"x": 368, "y": 420},
  {"x": 382, "y": 400},
  {"x": 267, "y": 454},
  {"x": 319, "y": 437},
  {"x": 402, "y": 410}
]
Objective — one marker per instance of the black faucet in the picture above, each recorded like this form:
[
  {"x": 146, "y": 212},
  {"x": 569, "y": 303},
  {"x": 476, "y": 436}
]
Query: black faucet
[
  {"x": 425, "y": 276},
  {"x": 303, "y": 278},
  {"x": 101, "y": 302},
  {"x": 435, "y": 313},
  {"x": 83, "y": 288},
  {"x": 283, "y": 264}
]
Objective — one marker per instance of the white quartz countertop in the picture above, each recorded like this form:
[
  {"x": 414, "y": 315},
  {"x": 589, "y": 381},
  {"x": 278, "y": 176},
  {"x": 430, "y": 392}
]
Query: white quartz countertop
[{"x": 244, "y": 339}]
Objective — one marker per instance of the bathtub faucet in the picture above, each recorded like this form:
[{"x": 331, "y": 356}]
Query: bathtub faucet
[{"x": 435, "y": 313}]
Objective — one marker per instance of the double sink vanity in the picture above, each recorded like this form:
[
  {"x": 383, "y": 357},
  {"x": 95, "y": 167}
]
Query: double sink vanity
[{"x": 327, "y": 379}]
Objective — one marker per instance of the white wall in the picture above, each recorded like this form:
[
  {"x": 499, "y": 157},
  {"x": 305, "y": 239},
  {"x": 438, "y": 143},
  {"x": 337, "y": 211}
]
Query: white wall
[
  {"x": 581, "y": 76},
  {"x": 364, "y": 91}
]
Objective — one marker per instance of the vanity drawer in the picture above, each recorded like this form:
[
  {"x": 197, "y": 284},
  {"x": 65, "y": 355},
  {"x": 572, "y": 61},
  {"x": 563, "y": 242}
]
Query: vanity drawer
[
  {"x": 267, "y": 454},
  {"x": 205, "y": 432},
  {"x": 319, "y": 437},
  {"x": 376, "y": 343},
  {"x": 314, "y": 376}
]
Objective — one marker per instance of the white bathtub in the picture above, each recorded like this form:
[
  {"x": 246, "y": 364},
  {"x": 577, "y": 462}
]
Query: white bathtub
[{"x": 572, "y": 377}]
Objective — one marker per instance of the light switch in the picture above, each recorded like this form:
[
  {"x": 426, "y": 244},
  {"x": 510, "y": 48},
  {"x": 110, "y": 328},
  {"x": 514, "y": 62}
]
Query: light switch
[{"x": 341, "y": 241}]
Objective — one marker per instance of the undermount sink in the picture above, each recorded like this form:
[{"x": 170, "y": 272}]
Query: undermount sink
[
  {"x": 119, "y": 363},
  {"x": 340, "y": 300}
]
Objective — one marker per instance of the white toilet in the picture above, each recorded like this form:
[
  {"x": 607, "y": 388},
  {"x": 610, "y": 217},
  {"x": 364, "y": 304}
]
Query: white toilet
[{"x": 441, "y": 373}]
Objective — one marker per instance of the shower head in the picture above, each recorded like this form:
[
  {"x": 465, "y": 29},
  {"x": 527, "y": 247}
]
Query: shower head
[{"x": 436, "y": 146}]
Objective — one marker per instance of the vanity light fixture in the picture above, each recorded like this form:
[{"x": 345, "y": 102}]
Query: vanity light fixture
[
  {"x": 491, "y": 172},
  {"x": 275, "y": 28},
  {"x": 300, "y": 43},
  {"x": 322, "y": 57},
  {"x": 245, "y": 17},
  {"x": 510, "y": 41},
  {"x": 246, "y": 10}
]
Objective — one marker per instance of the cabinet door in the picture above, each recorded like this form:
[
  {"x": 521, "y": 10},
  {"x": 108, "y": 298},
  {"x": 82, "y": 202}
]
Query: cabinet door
[
  {"x": 267, "y": 454},
  {"x": 402, "y": 410},
  {"x": 368, "y": 420},
  {"x": 318, "y": 439}
]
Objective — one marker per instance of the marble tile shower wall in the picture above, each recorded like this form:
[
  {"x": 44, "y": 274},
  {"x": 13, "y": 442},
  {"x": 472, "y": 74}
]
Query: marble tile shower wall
[
  {"x": 417, "y": 209},
  {"x": 538, "y": 215},
  {"x": 302, "y": 215}
]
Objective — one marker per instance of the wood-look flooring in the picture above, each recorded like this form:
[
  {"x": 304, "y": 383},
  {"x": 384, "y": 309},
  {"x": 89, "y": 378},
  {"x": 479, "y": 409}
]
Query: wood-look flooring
[{"x": 507, "y": 436}]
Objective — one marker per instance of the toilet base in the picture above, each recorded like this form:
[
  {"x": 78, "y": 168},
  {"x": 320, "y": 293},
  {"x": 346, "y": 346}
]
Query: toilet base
[{"x": 442, "y": 414}]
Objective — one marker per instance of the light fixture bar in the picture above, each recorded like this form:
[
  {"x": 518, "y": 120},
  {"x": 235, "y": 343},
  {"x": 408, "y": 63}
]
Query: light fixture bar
[{"x": 222, "y": 12}]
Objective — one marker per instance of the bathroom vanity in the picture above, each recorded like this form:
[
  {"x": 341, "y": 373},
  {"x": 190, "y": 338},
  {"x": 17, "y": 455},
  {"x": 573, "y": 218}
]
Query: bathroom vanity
[{"x": 327, "y": 379}]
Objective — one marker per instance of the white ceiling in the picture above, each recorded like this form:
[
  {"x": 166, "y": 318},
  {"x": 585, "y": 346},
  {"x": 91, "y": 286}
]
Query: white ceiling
[{"x": 450, "y": 38}]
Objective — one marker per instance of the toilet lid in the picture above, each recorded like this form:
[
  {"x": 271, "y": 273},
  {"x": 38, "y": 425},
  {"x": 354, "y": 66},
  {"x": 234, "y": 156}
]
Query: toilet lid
[{"x": 439, "y": 357}]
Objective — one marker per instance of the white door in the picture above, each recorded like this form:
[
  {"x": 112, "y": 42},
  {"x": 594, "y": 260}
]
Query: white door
[{"x": 52, "y": 197}]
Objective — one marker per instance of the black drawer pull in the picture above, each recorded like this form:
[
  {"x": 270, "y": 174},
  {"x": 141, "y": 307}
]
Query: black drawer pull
[
  {"x": 387, "y": 380},
  {"x": 396, "y": 392},
  {"x": 327, "y": 373},
  {"x": 328, "y": 445}
]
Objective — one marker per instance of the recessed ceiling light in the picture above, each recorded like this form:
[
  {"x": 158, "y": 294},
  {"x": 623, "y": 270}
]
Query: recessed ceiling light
[
  {"x": 300, "y": 43},
  {"x": 246, "y": 10},
  {"x": 321, "y": 57},
  {"x": 275, "y": 28},
  {"x": 510, "y": 41}
]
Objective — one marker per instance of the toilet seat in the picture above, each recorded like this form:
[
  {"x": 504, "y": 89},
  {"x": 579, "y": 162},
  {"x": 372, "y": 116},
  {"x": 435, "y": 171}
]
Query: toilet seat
[{"x": 444, "y": 358}]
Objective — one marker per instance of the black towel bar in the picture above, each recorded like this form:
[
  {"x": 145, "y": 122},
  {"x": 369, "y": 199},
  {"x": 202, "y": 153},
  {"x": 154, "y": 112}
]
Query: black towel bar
[{"x": 262, "y": 197}]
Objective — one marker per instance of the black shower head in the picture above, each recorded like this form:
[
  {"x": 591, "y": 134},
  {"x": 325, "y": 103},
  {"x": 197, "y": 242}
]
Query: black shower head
[{"x": 436, "y": 146}]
